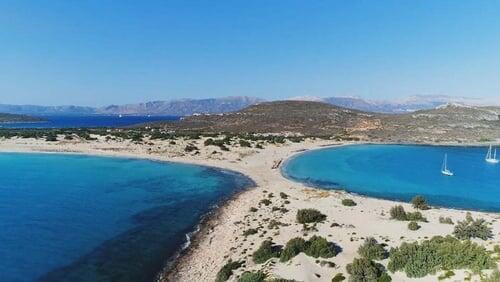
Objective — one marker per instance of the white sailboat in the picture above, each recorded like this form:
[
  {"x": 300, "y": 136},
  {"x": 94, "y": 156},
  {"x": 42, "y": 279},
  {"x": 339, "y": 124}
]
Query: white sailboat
[
  {"x": 444, "y": 168},
  {"x": 492, "y": 157}
]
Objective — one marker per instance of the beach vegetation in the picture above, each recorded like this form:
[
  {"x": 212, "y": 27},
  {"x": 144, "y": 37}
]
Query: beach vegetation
[
  {"x": 363, "y": 269},
  {"x": 283, "y": 195},
  {"x": 253, "y": 209},
  {"x": 244, "y": 143},
  {"x": 190, "y": 148},
  {"x": 339, "y": 277},
  {"x": 447, "y": 274},
  {"x": 445, "y": 220},
  {"x": 227, "y": 270},
  {"x": 265, "y": 202},
  {"x": 399, "y": 213},
  {"x": 309, "y": 216},
  {"x": 266, "y": 251},
  {"x": 419, "y": 202},
  {"x": 315, "y": 247},
  {"x": 372, "y": 250},
  {"x": 494, "y": 277},
  {"x": 250, "y": 231},
  {"x": 255, "y": 276},
  {"x": 413, "y": 226},
  {"x": 348, "y": 203},
  {"x": 472, "y": 228},
  {"x": 439, "y": 253}
]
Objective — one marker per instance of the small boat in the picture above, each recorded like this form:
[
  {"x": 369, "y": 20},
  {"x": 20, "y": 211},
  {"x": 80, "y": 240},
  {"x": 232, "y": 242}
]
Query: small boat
[
  {"x": 444, "y": 168},
  {"x": 491, "y": 157}
]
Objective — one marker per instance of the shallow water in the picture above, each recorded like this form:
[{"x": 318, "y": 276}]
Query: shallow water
[
  {"x": 399, "y": 172},
  {"x": 82, "y": 218}
]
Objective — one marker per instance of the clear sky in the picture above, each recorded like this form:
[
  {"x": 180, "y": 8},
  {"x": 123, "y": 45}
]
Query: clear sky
[{"x": 98, "y": 52}]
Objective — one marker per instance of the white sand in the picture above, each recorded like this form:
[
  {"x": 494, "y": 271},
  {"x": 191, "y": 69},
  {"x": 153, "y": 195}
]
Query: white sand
[{"x": 222, "y": 238}]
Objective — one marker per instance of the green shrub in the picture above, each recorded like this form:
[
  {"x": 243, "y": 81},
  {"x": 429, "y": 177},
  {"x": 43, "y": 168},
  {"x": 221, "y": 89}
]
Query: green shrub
[
  {"x": 227, "y": 270},
  {"x": 413, "y": 225},
  {"x": 372, "y": 250},
  {"x": 420, "y": 203},
  {"x": 253, "y": 209},
  {"x": 315, "y": 247},
  {"x": 265, "y": 202},
  {"x": 257, "y": 276},
  {"x": 309, "y": 216},
  {"x": 320, "y": 247},
  {"x": 283, "y": 195},
  {"x": 338, "y": 277},
  {"x": 430, "y": 256},
  {"x": 292, "y": 248},
  {"x": 209, "y": 142},
  {"x": 384, "y": 278},
  {"x": 348, "y": 202},
  {"x": 470, "y": 228},
  {"x": 398, "y": 213},
  {"x": 415, "y": 216},
  {"x": 445, "y": 220},
  {"x": 265, "y": 252},
  {"x": 190, "y": 148},
  {"x": 249, "y": 232},
  {"x": 244, "y": 143},
  {"x": 446, "y": 275},
  {"x": 362, "y": 269}
]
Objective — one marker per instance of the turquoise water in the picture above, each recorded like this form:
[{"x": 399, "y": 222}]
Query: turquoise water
[
  {"x": 399, "y": 172},
  {"x": 82, "y": 218}
]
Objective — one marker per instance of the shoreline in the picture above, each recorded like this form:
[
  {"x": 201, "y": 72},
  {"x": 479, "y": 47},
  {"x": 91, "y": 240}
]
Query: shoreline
[{"x": 213, "y": 244}]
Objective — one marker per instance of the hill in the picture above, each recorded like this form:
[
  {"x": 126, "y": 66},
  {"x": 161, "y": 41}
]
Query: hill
[
  {"x": 452, "y": 122},
  {"x": 11, "y": 118}
]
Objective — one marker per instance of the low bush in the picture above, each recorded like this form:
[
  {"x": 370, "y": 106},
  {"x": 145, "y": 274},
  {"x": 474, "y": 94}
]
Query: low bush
[
  {"x": 372, "y": 250},
  {"x": 445, "y": 220},
  {"x": 338, "y": 277},
  {"x": 320, "y": 247},
  {"x": 283, "y": 195},
  {"x": 309, "y": 216},
  {"x": 446, "y": 275},
  {"x": 266, "y": 251},
  {"x": 415, "y": 216},
  {"x": 257, "y": 276},
  {"x": 249, "y": 232},
  {"x": 292, "y": 248},
  {"x": 348, "y": 203},
  {"x": 362, "y": 269},
  {"x": 315, "y": 247},
  {"x": 420, "y": 203},
  {"x": 265, "y": 202},
  {"x": 470, "y": 228},
  {"x": 438, "y": 253},
  {"x": 494, "y": 277},
  {"x": 384, "y": 278},
  {"x": 227, "y": 270},
  {"x": 244, "y": 143},
  {"x": 398, "y": 213},
  {"x": 413, "y": 226}
]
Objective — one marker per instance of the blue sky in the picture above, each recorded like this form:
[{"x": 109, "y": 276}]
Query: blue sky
[{"x": 103, "y": 52}]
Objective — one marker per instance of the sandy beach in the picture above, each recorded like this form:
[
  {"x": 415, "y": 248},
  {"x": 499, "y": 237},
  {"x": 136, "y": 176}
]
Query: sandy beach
[{"x": 221, "y": 236}]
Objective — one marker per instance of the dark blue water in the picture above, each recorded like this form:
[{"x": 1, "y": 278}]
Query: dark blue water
[
  {"x": 400, "y": 172},
  {"x": 81, "y": 218},
  {"x": 88, "y": 121}
]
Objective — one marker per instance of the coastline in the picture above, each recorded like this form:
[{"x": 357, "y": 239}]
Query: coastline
[{"x": 219, "y": 236}]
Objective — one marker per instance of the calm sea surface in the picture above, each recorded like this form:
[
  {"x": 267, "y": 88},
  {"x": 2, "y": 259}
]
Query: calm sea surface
[
  {"x": 88, "y": 121},
  {"x": 400, "y": 172},
  {"x": 82, "y": 218}
]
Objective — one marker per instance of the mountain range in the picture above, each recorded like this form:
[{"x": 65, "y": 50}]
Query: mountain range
[{"x": 186, "y": 107}]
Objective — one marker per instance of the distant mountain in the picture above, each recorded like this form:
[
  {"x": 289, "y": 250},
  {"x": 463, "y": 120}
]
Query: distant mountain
[
  {"x": 12, "y": 118},
  {"x": 182, "y": 107},
  {"x": 46, "y": 110},
  {"x": 410, "y": 104}
]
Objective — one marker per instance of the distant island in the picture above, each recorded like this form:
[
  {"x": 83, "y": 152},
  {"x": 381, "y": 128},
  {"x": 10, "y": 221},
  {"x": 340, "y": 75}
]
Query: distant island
[{"x": 14, "y": 118}]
